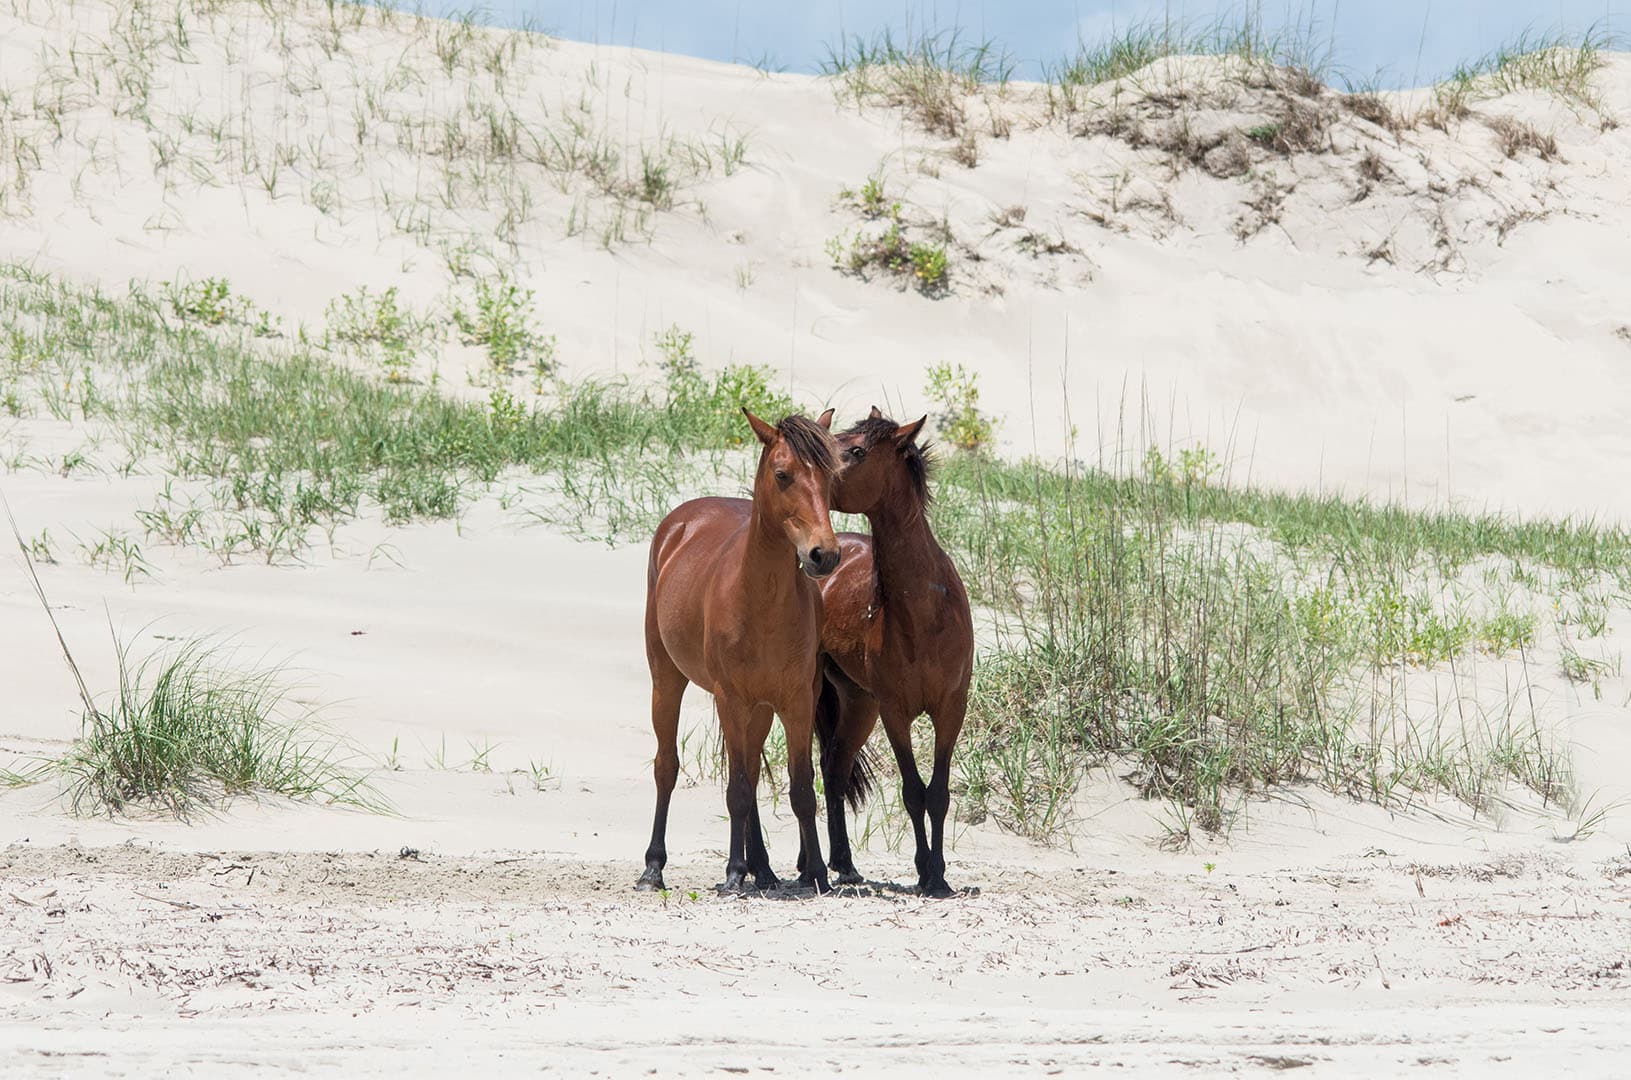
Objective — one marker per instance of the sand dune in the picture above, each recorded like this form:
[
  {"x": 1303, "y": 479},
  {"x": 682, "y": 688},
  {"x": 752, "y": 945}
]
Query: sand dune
[{"x": 1326, "y": 292}]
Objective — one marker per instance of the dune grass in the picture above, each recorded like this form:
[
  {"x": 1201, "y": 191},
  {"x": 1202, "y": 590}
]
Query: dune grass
[
  {"x": 187, "y": 729},
  {"x": 930, "y": 74},
  {"x": 1549, "y": 61},
  {"x": 292, "y": 444},
  {"x": 1209, "y": 639},
  {"x": 1244, "y": 36},
  {"x": 1210, "y": 642},
  {"x": 190, "y": 728},
  {"x": 478, "y": 154}
]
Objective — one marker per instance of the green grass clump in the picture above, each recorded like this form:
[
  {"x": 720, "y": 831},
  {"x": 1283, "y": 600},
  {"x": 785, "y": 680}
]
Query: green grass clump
[
  {"x": 1296, "y": 56},
  {"x": 894, "y": 252},
  {"x": 380, "y": 329},
  {"x": 210, "y": 302},
  {"x": 871, "y": 200},
  {"x": 929, "y": 75},
  {"x": 972, "y": 63},
  {"x": 1145, "y": 627},
  {"x": 186, "y": 729},
  {"x": 715, "y": 402},
  {"x": 1553, "y": 63},
  {"x": 501, "y": 320}
]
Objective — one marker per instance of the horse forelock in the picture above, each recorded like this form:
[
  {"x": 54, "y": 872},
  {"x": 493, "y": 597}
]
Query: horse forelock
[
  {"x": 919, "y": 459},
  {"x": 810, "y": 442}
]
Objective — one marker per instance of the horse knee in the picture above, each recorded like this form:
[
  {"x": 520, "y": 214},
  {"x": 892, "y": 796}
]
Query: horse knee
[
  {"x": 666, "y": 769},
  {"x": 912, "y": 794},
  {"x": 803, "y": 800},
  {"x": 938, "y": 798},
  {"x": 739, "y": 797}
]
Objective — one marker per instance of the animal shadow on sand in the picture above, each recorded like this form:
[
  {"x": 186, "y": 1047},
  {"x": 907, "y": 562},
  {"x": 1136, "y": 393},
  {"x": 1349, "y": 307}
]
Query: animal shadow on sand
[{"x": 790, "y": 889}]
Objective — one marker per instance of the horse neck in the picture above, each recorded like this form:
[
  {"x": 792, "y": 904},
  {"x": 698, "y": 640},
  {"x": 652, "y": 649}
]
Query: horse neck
[
  {"x": 905, "y": 554},
  {"x": 768, "y": 562}
]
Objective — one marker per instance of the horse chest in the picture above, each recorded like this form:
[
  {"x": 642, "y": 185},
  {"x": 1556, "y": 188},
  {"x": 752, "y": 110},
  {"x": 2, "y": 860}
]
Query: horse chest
[
  {"x": 747, "y": 652},
  {"x": 896, "y": 658}
]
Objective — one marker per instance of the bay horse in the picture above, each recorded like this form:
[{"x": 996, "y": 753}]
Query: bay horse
[
  {"x": 897, "y": 638},
  {"x": 728, "y": 608}
]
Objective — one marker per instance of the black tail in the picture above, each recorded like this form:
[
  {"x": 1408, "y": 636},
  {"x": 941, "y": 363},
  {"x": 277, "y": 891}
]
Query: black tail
[{"x": 863, "y": 776}]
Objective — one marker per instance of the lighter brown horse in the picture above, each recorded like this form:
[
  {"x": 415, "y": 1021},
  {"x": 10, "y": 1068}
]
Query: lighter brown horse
[
  {"x": 898, "y": 639},
  {"x": 728, "y": 608}
]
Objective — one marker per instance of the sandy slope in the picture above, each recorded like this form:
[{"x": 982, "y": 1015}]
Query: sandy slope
[
  {"x": 1487, "y": 368},
  {"x": 1294, "y": 351}
]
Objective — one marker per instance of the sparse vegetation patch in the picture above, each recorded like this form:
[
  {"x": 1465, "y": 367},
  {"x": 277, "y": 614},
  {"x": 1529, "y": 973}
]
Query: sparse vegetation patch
[
  {"x": 501, "y": 319},
  {"x": 895, "y": 252}
]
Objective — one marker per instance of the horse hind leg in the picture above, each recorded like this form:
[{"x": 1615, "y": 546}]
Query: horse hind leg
[
  {"x": 667, "y": 690},
  {"x": 845, "y": 716}
]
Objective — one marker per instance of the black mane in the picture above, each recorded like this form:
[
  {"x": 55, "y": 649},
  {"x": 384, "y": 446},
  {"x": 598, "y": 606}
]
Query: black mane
[
  {"x": 811, "y": 442},
  {"x": 919, "y": 459}
]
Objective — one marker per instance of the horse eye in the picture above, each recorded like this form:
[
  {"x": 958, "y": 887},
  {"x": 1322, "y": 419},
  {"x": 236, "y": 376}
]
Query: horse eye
[
  {"x": 782, "y": 477},
  {"x": 857, "y": 452}
]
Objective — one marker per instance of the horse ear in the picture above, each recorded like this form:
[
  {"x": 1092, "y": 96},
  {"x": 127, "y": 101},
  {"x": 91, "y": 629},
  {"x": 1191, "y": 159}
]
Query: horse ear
[
  {"x": 766, "y": 433},
  {"x": 825, "y": 420},
  {"x": 874, "y": 414},
  {"x": 907, "y": 432}
]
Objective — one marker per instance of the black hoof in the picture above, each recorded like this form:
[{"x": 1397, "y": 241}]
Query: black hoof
[
  {"x": 650, "y": 881},
  {"x": 818, "y": 884},
  {"x": 733, "y": 885},
  {"x": 766, "y": 880},
  {"x": 937, "y": 890},
  {"x": 849, "y": 877}
]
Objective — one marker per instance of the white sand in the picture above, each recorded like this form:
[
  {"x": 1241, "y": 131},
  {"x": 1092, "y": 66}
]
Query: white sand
[{"x": 1497, "y": 379}]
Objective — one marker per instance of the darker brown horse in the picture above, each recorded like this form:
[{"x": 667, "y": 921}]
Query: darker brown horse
[
  {"x": 728, "y": 609},
  {"x": 898, "y": 639}
]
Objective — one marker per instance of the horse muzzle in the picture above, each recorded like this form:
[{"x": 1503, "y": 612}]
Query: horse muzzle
[{"x": 818, "y": 562}]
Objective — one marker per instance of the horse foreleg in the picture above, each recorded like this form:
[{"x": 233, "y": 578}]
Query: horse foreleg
[
  {"x": 744, "y": 745},
  {"x": 948, "y": 724},
  {"x": 667, "y": 689},
  {"x": 757, "y": 855},
  {"x": 798, "y": 722}
]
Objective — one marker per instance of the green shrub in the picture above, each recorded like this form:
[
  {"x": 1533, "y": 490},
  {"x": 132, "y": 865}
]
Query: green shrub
[
  {"x": 380, "y": 329},
  {"x": 710, "y": 408},
  {"x": 502, "y": 321},
  {"x": 210, "y": 303},
  {"x": 929, "y": 266},
  {"x": 871, "y": 200},
  {"x": 893, "y": 251},
  {"x": 955, "y": 392}
]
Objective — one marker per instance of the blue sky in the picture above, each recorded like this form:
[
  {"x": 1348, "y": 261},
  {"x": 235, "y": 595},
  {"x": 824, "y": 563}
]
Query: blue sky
[{"x": 1405, "y": 42}]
